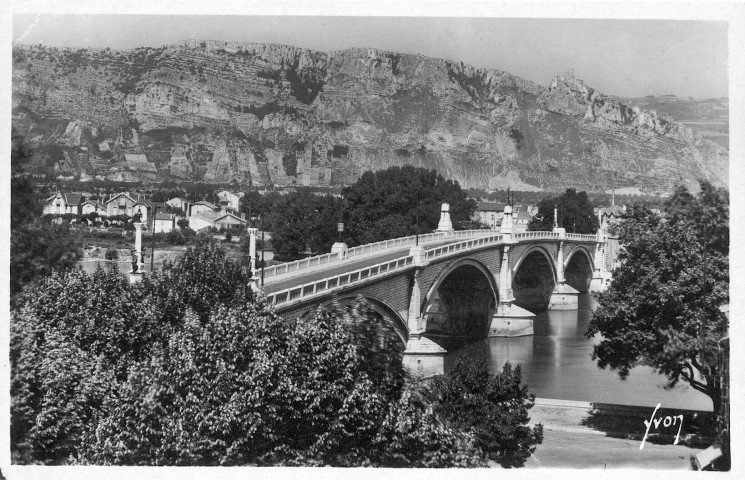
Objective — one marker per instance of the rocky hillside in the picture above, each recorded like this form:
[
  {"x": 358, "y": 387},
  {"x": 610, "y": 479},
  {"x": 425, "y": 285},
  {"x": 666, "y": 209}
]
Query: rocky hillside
[{"x": 279, "y": 115}]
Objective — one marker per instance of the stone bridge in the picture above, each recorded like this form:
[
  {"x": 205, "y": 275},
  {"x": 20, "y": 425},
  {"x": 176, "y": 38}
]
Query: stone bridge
[{"x": 448, "y": 285}]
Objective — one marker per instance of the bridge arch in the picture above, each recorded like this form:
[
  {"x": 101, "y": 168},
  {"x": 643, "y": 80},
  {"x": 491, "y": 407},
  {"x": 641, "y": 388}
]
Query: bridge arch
[
  {"x": 534, "y": 279},
  {"x": 461, "y": 300},
  {"x": 379, "y": 307},
  {"x": 578, "y": 268}
]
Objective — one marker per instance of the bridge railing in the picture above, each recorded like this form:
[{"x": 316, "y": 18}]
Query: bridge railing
[
  {"x": 581, "y": 237},
  {"x": 300, "y": 264},
  {"x": 456, "y": 247},
  {"x": 394, "y": 242},
  {"x": 309, "y": 262},
  {"x": 538, "y": 235},
  {"x": 320, "y": 286}
]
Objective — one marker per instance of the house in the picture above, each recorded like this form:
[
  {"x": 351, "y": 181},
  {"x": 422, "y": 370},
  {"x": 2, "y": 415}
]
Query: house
[
  {"x": 520, "y": 221},
  {"x": 164, "y": 223},
  {"x": 230, "y": 201},
  {"x": 203, "y": 220},
  {"x": 489, "y": 213},
  {"x": 610, "y": 215},
  {"x": 125, "y": 204},
  {"x": 62, "y": 203},
  {"x": 202, "y": 207},
  {"x": 179, "y": 203},
  {"x": 228, "y": 221},
  {"x": 93, "y": 206}
]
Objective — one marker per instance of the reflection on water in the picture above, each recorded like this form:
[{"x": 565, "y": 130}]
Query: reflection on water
[{"x": 556, "y": 363}]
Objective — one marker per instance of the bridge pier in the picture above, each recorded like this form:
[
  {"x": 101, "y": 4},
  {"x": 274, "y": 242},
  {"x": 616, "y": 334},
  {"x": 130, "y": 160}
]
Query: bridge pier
[
  {"x": 423, "y": 357},
  {"x": 509, "y": 320},
  {"x": 564, "y": 297}
]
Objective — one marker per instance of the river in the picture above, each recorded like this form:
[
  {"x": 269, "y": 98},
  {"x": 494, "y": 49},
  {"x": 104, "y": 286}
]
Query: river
[{"x": 556, "y": 363}]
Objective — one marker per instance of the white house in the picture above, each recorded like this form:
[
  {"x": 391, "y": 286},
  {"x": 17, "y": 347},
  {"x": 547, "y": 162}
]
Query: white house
[
  {"x": 164, "y": 223},
  {"x": 202, "y": 207},
  {"x": 230, "y": 201},
  {"x": 62, "y": 203},
  {"x": 91, "y": 206},
  {"x": 203, "y": 220},
  {"x": 179, "y": 203},
  {"x": 228, "y": 221},
  {"x": 489, "y": 213},
  {"x": 125, "y": 204}
]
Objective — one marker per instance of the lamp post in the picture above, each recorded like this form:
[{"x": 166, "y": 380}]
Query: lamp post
[
  {"x": 152, "y": 243},
  {"x": 417, "y": 218}
]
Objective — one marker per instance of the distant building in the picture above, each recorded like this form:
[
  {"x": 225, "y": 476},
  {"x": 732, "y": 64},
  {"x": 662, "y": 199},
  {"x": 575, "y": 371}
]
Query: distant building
[
  {"x": 164, "y": 223},
  {"x": 179, "y": 203},
  {"x": 62, "y": 203},
  {"x": 520, "y": 221},
  {"x": 610, "y": 215},
  {"x": 202, "y": 207},
  {"x": 229, "y": 201},
  {"x": 228, "y": 221},
  {"x": 489, "y": 213},
  {"x": 126, "y": 204}
]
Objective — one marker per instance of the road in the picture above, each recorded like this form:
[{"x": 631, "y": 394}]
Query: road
[
  {"x": 571, "y": 442},
  {"x": 337, "y": 268}
]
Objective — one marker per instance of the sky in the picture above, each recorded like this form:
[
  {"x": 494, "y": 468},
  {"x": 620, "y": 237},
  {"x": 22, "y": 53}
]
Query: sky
[{"x": 618, "y": 57}]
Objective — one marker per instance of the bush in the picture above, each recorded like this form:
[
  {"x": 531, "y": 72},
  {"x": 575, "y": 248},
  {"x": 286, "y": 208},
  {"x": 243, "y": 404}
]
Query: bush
[
  {"x": 112, "y": 254},
  {"x": 494, "y": 408}
]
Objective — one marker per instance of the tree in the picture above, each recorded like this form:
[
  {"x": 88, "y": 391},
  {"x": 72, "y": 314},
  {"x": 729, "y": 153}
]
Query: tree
[
  {"x": 575, "y": 213},
  {"x": 36, "y": 248},
  {"x": 205, "y": 399},
  {"x": 662, "y": 307},
  {"x": 494, "y": 408},
  {"x": 304, "y": 221},
  {"x": 390, "y": 203}
]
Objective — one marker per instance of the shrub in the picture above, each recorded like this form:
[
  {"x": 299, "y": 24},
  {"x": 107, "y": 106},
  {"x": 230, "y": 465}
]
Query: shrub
[
  {"x": 494, "y": 408},
  {"x": 112, "y": 254}
]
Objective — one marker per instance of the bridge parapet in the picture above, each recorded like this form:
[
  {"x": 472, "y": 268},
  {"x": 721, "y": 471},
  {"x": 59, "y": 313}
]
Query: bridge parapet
[
  {"x": 317, "y": 260},
  {"x": 465, "y": 245},
  {"x": 303, "y": 264},
  {"x": 325, "y": 285}
]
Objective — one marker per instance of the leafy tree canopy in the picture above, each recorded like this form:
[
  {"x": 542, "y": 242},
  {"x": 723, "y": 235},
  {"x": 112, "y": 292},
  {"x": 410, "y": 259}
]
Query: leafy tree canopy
[
  {"x": 385, "y": 204},
  {"x": 575, "y": 213},
  {"x": 303, "y": 223},
  {"x": 662, "y": 307},
  {"x": 104, "y": 372},
  {"x": 494, "y": 408}
]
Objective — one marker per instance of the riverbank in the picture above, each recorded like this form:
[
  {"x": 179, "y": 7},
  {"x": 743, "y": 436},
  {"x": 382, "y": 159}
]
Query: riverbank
[{"x": 606, "y": 436}]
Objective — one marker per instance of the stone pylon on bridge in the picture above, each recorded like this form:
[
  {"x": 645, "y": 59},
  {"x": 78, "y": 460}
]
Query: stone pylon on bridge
[{"x": 509, "y": 320}]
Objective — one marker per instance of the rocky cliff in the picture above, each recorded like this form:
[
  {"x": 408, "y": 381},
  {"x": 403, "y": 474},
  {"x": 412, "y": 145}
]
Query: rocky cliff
[{"x": 280, "y": 115}]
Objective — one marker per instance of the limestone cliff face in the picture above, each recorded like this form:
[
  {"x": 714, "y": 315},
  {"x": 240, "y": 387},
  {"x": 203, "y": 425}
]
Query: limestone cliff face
[{"x": 273, "y": 114}]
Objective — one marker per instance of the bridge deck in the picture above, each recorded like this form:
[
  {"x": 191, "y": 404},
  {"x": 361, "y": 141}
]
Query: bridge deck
[{"x": 275, "y": 284}]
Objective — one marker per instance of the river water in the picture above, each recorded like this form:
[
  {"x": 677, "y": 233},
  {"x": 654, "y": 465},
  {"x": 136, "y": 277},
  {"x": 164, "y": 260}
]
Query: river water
[{"x": 556, "y": 363}]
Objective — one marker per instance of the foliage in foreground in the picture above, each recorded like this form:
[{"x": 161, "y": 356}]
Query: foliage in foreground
[
  {"x": 494, "y": 408},
  {"x": 188, "y": 368},
  {"x": 662, "y": 308}
]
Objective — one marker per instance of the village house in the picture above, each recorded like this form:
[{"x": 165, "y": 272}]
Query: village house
[
  {"x": 489, "y": 213},
  {"x": 62, "y": 203},
  {"x": 93, "y": 206},
  {"x": 203, "y": 220},
  {"x": 179, "y": 203},
  {"x": 228, "y": 221},
  {"x": 164, "y": 223},
  {"x": 229, "y": 201},
  {"x": 202, "y": 207},
  {"x": 520, "y": 221},
  {"x": 125, "y": 204},
  {"x": 610, "y": 215}
]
